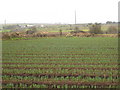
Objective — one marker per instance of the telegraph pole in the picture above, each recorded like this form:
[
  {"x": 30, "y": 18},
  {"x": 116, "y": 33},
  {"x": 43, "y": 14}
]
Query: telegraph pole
[
  {"x": 75, "y": 17},
  {"x": 5, "y": 22}
]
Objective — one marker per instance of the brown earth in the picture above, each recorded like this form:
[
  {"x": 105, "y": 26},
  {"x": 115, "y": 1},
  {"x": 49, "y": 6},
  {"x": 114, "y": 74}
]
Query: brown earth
[{"x": 9, "y": 35}]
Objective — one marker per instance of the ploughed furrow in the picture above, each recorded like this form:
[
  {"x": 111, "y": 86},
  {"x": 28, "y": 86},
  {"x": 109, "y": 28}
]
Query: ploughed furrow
[
  {"x": 85, "y": 63},
  {"x": 69, "y": 68},
  {"x": 112, "y": 60},
  {"x": 40, "y": 54},
  {"x": 103, "y": 56},
  {"x": 50, "y": 75},
  {"x": 68, "y": 82}
]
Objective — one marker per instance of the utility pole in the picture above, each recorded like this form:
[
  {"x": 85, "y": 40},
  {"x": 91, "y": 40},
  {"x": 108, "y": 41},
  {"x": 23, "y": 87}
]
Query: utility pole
[
  {"x": 5, "y": 22},
  {"x": 75, "y": 17}
]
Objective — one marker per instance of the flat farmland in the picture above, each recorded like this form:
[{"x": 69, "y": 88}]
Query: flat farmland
[{"x": 60, "y": 62}]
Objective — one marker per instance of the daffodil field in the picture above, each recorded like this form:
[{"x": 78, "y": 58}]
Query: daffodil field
[{"x": 73, "y": 62}]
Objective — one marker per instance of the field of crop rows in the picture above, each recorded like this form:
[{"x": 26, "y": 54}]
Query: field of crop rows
[{"x": 60, "y": 63}]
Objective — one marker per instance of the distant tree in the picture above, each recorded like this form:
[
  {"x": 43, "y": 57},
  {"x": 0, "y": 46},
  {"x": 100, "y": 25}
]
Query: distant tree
[
  {"x": 31, "y": 30},
  {"x": 112, "y": 30},
  {"x": 76, "y": 28},
  {"x": 89, "y": 23},
  {"x": 11, "y": 27},
  {"x": 114, "y": 22},
  {"x": 109, "y": 22},
  {"x": 60, "y": 32},
  {"x": 95, "y": 28}
]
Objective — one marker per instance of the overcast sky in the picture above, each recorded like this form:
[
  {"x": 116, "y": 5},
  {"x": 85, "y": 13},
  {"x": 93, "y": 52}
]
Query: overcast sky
[{"x": 58, "y": 11}]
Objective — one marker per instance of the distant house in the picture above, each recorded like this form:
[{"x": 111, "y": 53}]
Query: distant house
[
  {"x": 22, "y": 26},
  {"x": 29, "y": 25},
  {"x": 41, "y": 25}
]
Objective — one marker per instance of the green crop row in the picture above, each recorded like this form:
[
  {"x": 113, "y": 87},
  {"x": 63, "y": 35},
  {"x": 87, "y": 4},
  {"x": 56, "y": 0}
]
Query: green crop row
[{"x": 98, "y": 59}]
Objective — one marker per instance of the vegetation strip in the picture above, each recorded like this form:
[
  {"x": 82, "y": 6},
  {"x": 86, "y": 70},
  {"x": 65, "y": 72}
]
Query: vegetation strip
[
  {"x": 58, "y": 82},
  {"x": 61, "y": 75}
]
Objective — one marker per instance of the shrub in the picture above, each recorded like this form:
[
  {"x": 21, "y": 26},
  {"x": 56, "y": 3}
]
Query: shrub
[
  {"x": 77, "y": 28},
  {"x": 112, "y": 30},
  {"x": 95, "y": 28},
  {"x": 14, "y": 35},
  {"x": 60, "y": 32},
  {"x": 9, "y": 35},
  {"x": 77, "y": 31},
  {"x": 31, "y": 30},
  {"x": 5, "y": 36}
]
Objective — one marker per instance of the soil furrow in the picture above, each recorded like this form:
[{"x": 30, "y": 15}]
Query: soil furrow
[{"x": 69, "y": 68}]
